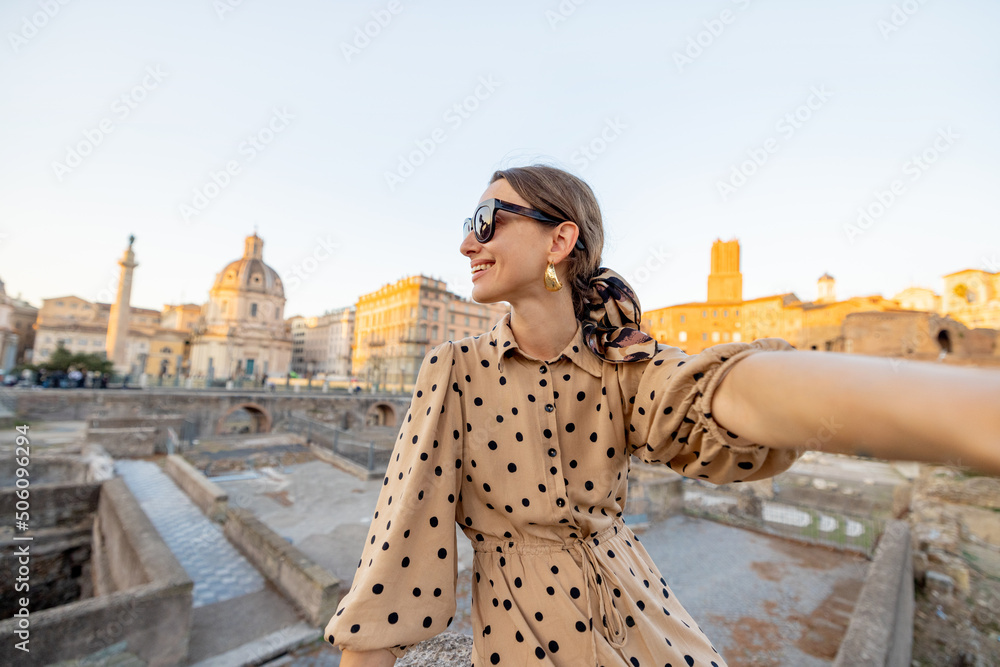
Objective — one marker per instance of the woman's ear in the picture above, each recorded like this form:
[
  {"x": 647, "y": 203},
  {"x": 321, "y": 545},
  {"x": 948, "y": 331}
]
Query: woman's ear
[{"x": 564, "y": 238}]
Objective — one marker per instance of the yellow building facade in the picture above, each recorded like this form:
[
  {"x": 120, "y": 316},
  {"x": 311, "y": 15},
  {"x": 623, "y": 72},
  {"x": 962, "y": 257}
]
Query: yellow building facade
[
  {"x": 972, "y": 297},
  {"x": 396, "y": 325},
  {"x": 81, "y": 326},
  {"x": 726, "y": 317}
]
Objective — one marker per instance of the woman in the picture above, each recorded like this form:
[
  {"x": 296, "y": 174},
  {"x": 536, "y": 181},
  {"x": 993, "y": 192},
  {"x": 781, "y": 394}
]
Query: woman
[{"x": 523, "y": 436}]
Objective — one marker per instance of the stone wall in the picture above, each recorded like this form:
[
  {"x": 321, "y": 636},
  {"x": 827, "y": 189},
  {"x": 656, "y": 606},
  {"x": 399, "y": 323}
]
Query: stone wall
[
  {"x": 143, "y": 596},
  {"x": 314, "y": 590},
  {"x": 881, "y": 630},
  {"x": 207, "y": 495}
]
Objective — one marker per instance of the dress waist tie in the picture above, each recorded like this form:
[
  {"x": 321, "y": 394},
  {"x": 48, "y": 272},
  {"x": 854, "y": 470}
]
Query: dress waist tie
[
  {"x": 612, "y": 624},
  {"x": 596, "y": 578}
]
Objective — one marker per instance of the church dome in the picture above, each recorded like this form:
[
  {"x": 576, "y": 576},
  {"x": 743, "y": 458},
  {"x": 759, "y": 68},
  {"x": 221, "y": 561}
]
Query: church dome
[{"x": 250, "y": 273}]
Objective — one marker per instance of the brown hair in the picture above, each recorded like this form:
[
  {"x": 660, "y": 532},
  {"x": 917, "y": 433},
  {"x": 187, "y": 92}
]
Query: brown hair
[{"x": 562, "y": 195}]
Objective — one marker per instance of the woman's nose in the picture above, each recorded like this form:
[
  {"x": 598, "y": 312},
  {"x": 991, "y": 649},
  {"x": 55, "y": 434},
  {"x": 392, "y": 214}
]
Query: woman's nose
[{"x": 469, "y": 245}]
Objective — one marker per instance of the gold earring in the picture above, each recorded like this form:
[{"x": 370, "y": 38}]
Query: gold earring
[{"x": 552, "y": 283}]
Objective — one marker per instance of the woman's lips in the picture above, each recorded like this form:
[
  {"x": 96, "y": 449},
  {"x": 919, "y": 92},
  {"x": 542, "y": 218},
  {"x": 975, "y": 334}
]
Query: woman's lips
[{"x": 479, "y": 270}]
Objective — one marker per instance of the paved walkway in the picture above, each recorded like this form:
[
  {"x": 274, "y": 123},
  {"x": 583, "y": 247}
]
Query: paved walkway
[{"x": 219, "y": 572}]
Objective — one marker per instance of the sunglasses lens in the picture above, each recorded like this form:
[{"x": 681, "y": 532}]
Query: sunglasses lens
[{"x": 482, "y": 224}]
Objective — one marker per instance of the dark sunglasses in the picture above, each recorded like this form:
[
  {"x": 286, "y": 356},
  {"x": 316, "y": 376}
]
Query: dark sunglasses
[{"x": 484, "y": 223}]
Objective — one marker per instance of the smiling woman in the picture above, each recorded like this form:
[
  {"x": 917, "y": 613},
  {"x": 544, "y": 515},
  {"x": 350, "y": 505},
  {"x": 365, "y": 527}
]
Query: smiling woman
[{"x": 524, "y": 436}]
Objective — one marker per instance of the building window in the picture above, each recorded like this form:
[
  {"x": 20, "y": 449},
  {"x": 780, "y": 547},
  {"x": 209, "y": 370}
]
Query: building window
[
  {"x": 704, "y": 313},
  {"x": 737, "y": 312},
  {"x": 683, "y": 337},
  {"x": 682, "y": 319},
  {"x": 715, "y": 336},
  {"x": 736, "y": 337},
  {"x": 725, "y": 335},
  {"x": 466, "y": 320},
  {"x": 423, "y": 312},
  {"x": 253, "y": 310},
  {"x": 451, "y": 334},
  {"x": 725, "y": 313},
  {"x": 715, "y": 313},
  {"x": 704, "y": 336}
]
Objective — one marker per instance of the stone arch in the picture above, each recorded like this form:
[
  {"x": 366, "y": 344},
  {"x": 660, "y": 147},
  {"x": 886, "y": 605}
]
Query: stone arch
[
  {"x": 260, "y": 418},
  {"x": 381, "y": 414},
  {"x": 944, "y": 341}
]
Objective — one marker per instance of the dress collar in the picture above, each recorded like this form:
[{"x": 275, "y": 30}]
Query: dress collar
[{"x": 502, "y": 338}]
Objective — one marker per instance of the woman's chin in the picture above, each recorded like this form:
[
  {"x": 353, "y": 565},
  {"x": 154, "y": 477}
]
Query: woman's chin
[{"x": 483, "y": 294}]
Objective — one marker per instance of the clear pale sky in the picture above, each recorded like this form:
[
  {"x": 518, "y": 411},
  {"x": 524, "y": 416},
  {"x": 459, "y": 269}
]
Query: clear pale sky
[{"x": 672, "y": 96}]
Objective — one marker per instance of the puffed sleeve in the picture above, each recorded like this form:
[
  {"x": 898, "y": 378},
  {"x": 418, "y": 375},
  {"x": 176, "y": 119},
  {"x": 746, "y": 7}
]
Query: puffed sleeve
[
  {"x": 404, "y": 588},
  {"x": 667, "y": 401}
]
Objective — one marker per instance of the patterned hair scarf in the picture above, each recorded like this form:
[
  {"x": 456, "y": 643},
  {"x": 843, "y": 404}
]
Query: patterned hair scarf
[{"x": 611, "y": 320}]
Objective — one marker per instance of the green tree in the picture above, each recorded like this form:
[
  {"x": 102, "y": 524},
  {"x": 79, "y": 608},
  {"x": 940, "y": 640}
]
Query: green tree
[{"x": 62, "y": 360}]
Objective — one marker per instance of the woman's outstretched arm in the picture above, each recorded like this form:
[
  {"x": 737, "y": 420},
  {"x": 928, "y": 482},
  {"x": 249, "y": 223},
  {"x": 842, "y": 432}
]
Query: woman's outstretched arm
[
  {"x": 377, "y": 658},
  {"x": 851, "y": 404}
]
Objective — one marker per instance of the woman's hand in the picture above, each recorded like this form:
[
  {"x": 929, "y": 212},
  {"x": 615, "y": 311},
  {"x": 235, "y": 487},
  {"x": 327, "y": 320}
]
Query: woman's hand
[{"x": 377, "y": 658}]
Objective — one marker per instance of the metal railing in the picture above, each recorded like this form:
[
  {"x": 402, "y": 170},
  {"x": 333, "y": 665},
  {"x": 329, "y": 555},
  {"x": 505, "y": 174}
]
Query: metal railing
[
  {"x": 834, "y": 528},
  {"x": 340, "y": 442}
]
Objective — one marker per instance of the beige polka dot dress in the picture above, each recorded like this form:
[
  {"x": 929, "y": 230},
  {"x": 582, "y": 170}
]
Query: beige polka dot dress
[{"x": 531, "y": 458}]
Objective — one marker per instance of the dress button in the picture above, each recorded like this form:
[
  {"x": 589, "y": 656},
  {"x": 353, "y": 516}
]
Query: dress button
[
  {"x": 560, "y": 502},
  {"x": 549, "y": 407},
  {"x": 543, "y": 369},
  {"x": 552, "y": 452}
]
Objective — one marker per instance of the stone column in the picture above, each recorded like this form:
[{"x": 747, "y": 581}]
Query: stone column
[{"x": 118, "y": 320}]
